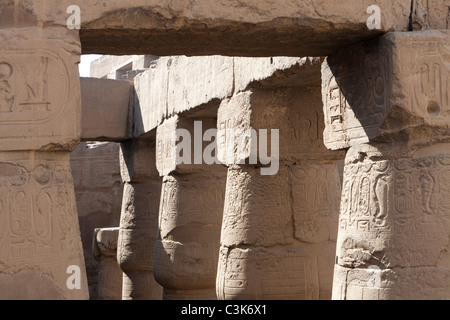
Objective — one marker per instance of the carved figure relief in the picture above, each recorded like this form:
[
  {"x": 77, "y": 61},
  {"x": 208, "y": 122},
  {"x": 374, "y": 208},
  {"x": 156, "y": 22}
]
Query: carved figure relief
[
  {"x": 37, "y": 210},
  {"x": 395, "y": 193},
  {"x": 25, "y": 79},
  {"x": 6, "y": 95}
]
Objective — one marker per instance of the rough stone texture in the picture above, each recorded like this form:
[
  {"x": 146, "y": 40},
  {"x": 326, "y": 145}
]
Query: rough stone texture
[
  {"x": 404, "y": 99},
  {"x": 117, "y": 67},
  {"x": 278, "y": 232},
  {"x": 98, "y": 190},
  {"x": 393, "y": 216},
  {"x": 235, "y": 28},
  {"x": 139, "y": 220},
  {"x": 109, "y": 274},
  {"x": 430, "y": 15},
  {"x": 166, "y": 90},
  {"x": 107, "y": 109},
  {"x": 40, "y": 103},
  {"x": 190, "y": 215},
  {"x": 197, "y": 27},
  {"x": 40, "y": 113},
  {"x": 39, "y": 230}
]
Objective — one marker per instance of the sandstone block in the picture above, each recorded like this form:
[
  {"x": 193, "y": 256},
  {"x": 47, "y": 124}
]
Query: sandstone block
[
  {"x": 39, "y": 229},
  {"x": 394, "y": 88},
  {"x": 40, "y": 103},
  {"x": 107, "y": 109}
]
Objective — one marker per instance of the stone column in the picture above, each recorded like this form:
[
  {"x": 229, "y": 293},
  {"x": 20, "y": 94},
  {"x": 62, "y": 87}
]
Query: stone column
[
  {"x": 104, "y": 248},
  {"x": 190, "y": 216},
  {"x": 40, "y": 247},
  {"x": 139, "y": 219},
  {"x": 388, "y": 102},
  {"x": 279, "y": 226}
]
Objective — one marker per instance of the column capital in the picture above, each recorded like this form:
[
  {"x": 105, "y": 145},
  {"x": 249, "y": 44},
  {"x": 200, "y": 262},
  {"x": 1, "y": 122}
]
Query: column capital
[{"x": 392, "y": 89}]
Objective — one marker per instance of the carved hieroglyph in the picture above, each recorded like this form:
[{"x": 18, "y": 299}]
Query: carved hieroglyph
[
  {"x": 279, "y": 231},
  {"x": 139, "y": 220},
  {"x": 395, "y": 219},
  {"x": 393, "y": 226},
  {"x": 190, "y": 216},
  {"x": 40, "y": 106},
  {"x": 395, "y": 87},
  {"x": 39, "y": 228}
]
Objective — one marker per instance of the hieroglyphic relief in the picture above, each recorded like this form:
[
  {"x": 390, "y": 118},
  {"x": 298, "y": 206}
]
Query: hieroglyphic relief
[
  {"x": 24, "y": 86},
  {"x": 398, "y": 193},
  {"x": 37, "y": 210},
  {"x": 261, "y": 273},
  {"x": 316, "y": 203},
  {"x": 202, "y": 200},
  {"x": 355, "y": 97},
  {"x": 431, "y": 86},
  {"x": 6, "y": 93},
  {"x": 168, "y": 204}
]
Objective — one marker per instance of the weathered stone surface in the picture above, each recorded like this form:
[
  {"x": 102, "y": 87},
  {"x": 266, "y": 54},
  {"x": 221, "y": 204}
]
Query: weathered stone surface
[
  {"x": 139, "y": 220},
  {"x": 296, "y": 273},
  {"x": 235, "y": 28},
  {"x": 190, "y": 214},
  {"x": 166, "y": 90},
  {"x": 394, "y": 219},
  {"x": 393, "y": 228},
  {"x": 137, "y": 160},
  {"x": 286, "y": 219},
  {"x": 98, "y": 190},
  {"x": 187, "y": 248},
  {"x": 138, "y": 233},
  {"x": 403, "y": 95},
  {"x": 39, "y": 230},
  {"x": 40, "y": 103},
  {"x": 430, "y": 15},
  {"x": 273, "y": 110},
  {"x": 109, "y": 274},
  {"x": 107, "y": 110},
  {"x": 169, "y": 153}
]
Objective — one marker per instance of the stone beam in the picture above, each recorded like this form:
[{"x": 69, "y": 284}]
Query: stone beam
[
  {"x": 106, "y": 109},
  {"x": 180, "y": 84},
  {"x": 234, "y": 28}
]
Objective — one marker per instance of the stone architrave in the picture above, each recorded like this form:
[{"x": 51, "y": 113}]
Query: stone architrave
[
  {"x": 190, "y": 216},
  {"x": 388, "y": 100},
  {"x": 279, "y": 231}
]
